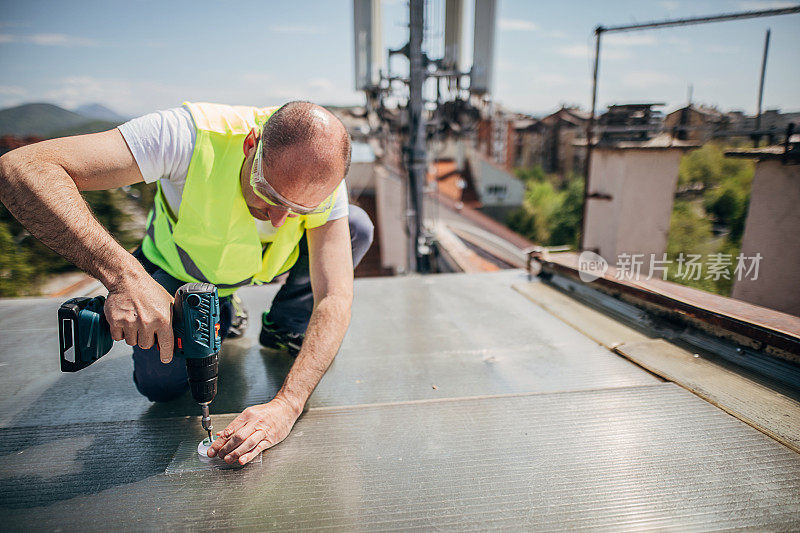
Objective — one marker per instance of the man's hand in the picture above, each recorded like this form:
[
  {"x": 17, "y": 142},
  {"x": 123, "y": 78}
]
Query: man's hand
[
  {"x": 259, "y": 427},
  {"x": 139, "y": 311}
]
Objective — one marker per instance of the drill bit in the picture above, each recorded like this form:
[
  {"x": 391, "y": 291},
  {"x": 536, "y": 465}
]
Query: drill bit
[{"x": 206, "y": 420}]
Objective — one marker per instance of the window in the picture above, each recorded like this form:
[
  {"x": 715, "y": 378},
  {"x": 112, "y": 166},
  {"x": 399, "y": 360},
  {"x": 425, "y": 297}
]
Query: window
[{"x": 499, "y": 191}]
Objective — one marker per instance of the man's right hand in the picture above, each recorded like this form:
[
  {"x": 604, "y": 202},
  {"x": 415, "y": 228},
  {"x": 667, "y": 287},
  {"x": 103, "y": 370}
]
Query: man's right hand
[{"x": 139, "y": 311}]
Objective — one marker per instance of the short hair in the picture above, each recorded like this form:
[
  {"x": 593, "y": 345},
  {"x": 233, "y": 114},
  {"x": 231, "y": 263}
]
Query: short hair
[{"x": 291, "y": 124}]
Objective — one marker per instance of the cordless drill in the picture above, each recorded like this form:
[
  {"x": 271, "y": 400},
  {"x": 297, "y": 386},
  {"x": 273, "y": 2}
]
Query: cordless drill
[{"x": 84, "y": 337}]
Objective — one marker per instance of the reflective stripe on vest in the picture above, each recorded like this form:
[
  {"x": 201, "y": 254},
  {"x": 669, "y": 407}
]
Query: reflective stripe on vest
[{"x": 214, "y": 237}]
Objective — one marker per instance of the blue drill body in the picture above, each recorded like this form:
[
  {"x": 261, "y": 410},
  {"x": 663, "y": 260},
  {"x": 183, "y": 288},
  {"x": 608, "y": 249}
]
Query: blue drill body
[{"x": 85, "y": 337}]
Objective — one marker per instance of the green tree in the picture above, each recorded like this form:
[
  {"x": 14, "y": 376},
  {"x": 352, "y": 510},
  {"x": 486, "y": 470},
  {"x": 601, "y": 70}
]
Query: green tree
[
  {"x": 549, "y": 215},
  {"x": 17, "y": 272},
  {"x": 707, "y": 167},
  {"x": 689, "y": 234},
  {"x": 567, "y": 219},
  {"x": 25, "y": 260},
  {"x": 146, "y": 192},
  {"x": 725, "y": 184},
  {"x": 105, "y": 207},
  {"x": 689, "y": 230},
  {"x": 728, "y": 206},
  {"x": 531, "y": 174}
]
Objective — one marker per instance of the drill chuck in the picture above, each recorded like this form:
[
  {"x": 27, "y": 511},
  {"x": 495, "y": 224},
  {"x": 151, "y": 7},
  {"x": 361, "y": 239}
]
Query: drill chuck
[{"x": 202, "y": 372}]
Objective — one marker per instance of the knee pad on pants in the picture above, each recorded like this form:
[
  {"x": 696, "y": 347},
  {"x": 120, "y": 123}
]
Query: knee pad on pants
[
  {"x": 155, "y": 380},
  {"x": 362, "y": 231}
]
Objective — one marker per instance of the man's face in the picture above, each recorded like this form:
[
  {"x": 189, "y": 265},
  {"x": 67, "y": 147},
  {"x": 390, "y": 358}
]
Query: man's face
[{"x": 303, "y": 175}]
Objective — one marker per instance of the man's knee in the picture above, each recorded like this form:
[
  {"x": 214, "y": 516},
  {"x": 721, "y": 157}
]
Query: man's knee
[
  {"x": 159, "y": 391},
  {"x": 155, "y": 380},
  {"x": 362, "y": 231}
]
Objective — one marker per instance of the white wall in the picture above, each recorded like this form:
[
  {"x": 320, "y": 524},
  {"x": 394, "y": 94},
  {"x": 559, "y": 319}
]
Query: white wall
[
  {"x": 642, "y": 184},
  {"x": 496, "y": 187},
  {"x": 773, "y": 230},
  {"x": 390, "y": 204}
]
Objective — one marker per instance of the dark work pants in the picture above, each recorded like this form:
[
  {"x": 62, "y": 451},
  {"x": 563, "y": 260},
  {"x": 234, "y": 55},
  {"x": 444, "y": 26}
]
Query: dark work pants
[{"x": 291, "y": 310}]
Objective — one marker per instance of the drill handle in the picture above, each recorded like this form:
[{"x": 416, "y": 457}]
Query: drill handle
[
  {"x": 83, "y": 333},
  {"x": 85, "y": 336}
]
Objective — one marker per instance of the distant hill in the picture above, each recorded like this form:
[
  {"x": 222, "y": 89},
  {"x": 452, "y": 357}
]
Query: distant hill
[
  {"x": 99, "y": 112},
  {"x": 93, "y": 126},
  {"x": 37, "y": 119},
  {"x": 48, "y": 120}
]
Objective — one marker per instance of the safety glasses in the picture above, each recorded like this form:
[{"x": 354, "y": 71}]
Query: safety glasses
[{"x": 266, "y": 192}]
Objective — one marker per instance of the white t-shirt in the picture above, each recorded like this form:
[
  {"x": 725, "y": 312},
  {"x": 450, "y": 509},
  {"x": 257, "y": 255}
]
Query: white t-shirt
[{"x": 162, "y": 144}]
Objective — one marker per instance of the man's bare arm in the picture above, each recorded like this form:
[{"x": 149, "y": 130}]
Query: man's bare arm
[
  {"x": 331, "y": 264},
  {"x": 40, "y": 187},
  {"x": 40, "y": 184},
  {"x": 265, "y": 425}
]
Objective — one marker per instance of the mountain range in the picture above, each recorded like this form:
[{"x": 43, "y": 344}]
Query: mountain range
[{"x": 48, "y": 120}]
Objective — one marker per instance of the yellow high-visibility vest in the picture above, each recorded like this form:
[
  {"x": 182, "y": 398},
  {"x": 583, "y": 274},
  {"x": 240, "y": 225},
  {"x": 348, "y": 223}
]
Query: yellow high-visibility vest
[{"x": 213, "y": 238}]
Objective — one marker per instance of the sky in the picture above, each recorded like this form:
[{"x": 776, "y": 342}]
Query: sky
[{"x": 138, "y": 56}]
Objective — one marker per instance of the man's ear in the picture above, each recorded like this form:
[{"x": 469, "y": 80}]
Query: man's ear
[{"x": 249, "y": 142}]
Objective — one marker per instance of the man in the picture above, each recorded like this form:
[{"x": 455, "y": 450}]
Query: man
[{"x": 244, "y": 194}]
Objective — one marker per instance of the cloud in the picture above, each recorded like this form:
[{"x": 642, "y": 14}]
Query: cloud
[
  {"x": 502, "y": 64},
  {"x": 131, "y": 97},
  {"x": 155, "y": 43},
  {"x": 709, "y": 82},
  {"x": 629, "y": 39},
  {"x": 551, "y": 79},
  {"x": 13, "y": 24},
  {"x": 583, "y": 51},
  {"x": 75, "y": 90},
  {"x": 11, "y": 90},
  {"x": 60, "y": 39},
  {"x": 257, "y": 77},
  {"x": 136, "y": 96},
  {"x": 727, "y": 49},
  {"x": 670, "y": 5},
  {"x": 681, "y": 44},
  {"x": 296, "y": 28},
  {"x": 317, "y": 90},
  {"x": 575, "y": 50},
  {"x": 758, "y": 6},
  {"x": 643, "y": 79},
  {"x": 323, "y": 84},
  {"x": 513, "y": 67},
  {"x": 517, "y": 25},
  {"x": 613, "y": 46},
  {"x": 48, "y": 39}
]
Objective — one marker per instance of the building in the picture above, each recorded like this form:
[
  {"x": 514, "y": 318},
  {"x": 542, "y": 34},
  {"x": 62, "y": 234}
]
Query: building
[
  {"x": 630, "y": 122},
  {"x": 550, "y": 142},
  {"x": 495, "y": 137},
  {"x": 499, "y": 190},
  {"x": 453, "y": 182},
  {"x": 701, "y": 123}
]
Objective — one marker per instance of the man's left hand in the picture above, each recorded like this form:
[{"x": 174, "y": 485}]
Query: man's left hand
[{"x": 258, "y": 427}]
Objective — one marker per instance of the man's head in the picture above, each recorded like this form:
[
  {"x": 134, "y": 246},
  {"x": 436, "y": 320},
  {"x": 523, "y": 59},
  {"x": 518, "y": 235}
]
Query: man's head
[{"x": 305, "y": 154}]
